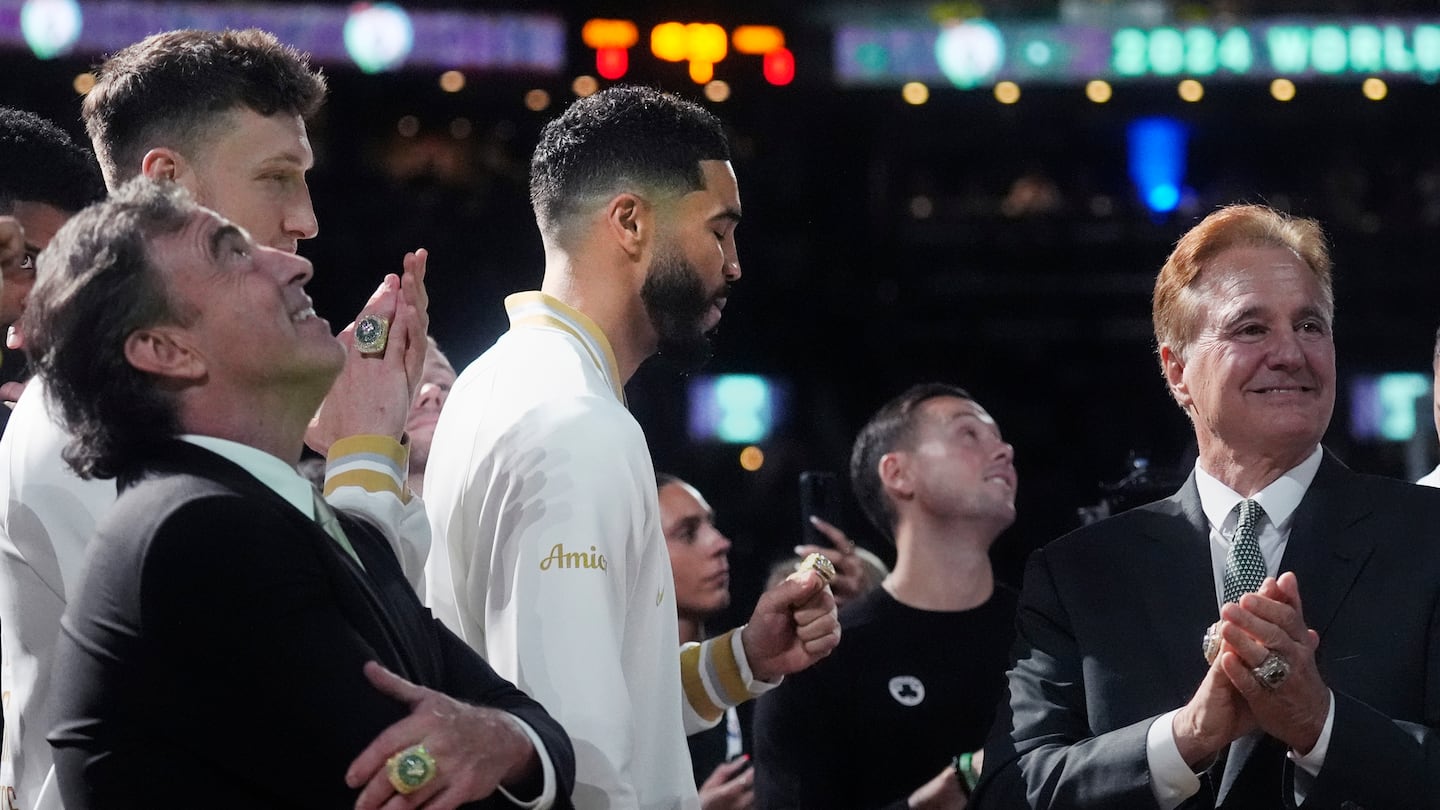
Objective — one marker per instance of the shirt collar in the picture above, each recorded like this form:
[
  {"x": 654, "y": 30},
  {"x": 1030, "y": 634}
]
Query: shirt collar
[
  {"x": 537, "y": 309},
  {"x": 275, "y": 474},
  {"x": 1279, "y": 500}
]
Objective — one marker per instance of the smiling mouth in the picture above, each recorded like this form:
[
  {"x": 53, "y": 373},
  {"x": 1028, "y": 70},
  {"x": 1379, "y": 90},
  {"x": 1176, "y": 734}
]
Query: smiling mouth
[
  {"x": 1285, "y": 389},
  {"x": 303, "y": 314}
]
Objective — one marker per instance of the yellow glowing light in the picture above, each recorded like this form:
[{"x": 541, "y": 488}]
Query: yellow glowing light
[
  {"x": 702, "y": 72},
  {"x": 83, "y": 82},
  {"x": 717, "y": 91},
  {"x": 1191, "y": 90},
  {"x": 1007, "y": 92},
  {"x": 585, "y": 86},
  {"x": 915, "y": 93},
  {"x": 708, "y": 42},
  {"x": 1098, "y": 91},
  {"x": 752, "y": 458},
  {"x": 599, "y": 33},
  {"x": 669, "y": 41},
  {"x": 1282, "y": 89},
  {"x": 452, "y": 81},
  {"x": 1374, "y": 89},
  {"x": 757, "y": 39},
  {"x": 537, "y": 100}
]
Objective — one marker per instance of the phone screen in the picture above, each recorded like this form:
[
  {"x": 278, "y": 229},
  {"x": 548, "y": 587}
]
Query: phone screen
[{"x": 819, "y": 496}]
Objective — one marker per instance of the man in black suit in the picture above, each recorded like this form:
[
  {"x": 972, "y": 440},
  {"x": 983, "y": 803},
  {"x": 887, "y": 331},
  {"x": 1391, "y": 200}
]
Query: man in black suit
[
  {"x": 1333, "y": 702},
  {"x": 234, "y": 645}
]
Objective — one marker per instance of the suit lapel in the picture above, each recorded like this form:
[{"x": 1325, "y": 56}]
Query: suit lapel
[
  {"x": 354, "y": 588},
  {"x": 1179, "y": 589},
  {"x": 1328, "y": 544}
]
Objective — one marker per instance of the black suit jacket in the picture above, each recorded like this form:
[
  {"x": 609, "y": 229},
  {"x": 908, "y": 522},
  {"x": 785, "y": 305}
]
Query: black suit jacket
[
  {"x": 1109, "y": 631},
  {"x": 214, "y": 656}
]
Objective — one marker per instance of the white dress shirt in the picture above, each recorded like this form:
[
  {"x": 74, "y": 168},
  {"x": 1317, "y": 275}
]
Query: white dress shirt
[{"x": 1171, "y": 780}]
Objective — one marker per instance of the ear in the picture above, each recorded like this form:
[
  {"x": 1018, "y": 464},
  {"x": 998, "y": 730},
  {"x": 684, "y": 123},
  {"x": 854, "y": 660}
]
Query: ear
[
  {"x": 164, "y": 351},
  {"x": 163, "y": 163},
  {"x": 895, "y": 476},
  {"x": 1174, "y": 370},
  {"x": 630, "y": 221}
]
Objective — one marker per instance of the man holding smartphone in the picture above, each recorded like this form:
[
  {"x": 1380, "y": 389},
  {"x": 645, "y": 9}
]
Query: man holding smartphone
[{"x": 923, "y": 663}]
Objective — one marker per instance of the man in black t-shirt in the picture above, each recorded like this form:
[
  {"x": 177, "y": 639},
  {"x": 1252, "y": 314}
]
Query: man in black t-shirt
[{"x": 888, "y": 719}]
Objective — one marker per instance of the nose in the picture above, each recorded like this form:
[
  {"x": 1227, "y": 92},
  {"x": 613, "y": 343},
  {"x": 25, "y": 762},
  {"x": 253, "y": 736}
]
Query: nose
[
  {"x": 430, "y": 395},
  {"x": 1285, "y": 350},
  {"x": 288, "y": 268},
  {"x": 1005, "y": 450},
  {"x": 300, "y": 221},
  {"x": 732, "y": 268},
  {"x": 720, "y": 544}
]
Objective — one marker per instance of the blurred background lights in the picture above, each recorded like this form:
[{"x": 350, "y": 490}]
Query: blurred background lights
[
  {"x": 757, "y": 39},
  {"x": 83, "y": 82},
  {"x": 378, "y": 36},
  {"x": 1191, "y": 90},
  {"x": 1157, "y": 149},
  {"x": 1374, "y": 89},
  {"x": 1282, "y": 89},
  {"x": 1038, "y": 52},
  {"x": 460, "y": 128},
  {"x": 733, "y": 408},
  {"x": 779, "y": 67},
  {"x": 915, "y": 93},
  {"x": 1007, "y": 92},
  {"x": 752, "y": 458},
  {"x": 50, "y": 27},
  {"x": 584, "y": 86},
  {"x": 717, "y": 91},
  {"x": 612, "y": 41},
  {"x": 452, "y": 81},
  {"x": 537, "y": 100},
  {"x": 408, "y": 126},
  {"x": 701, "y": 44},
  {"x": 970, "y": 52},
  {"x": 1098, "y": 91}
]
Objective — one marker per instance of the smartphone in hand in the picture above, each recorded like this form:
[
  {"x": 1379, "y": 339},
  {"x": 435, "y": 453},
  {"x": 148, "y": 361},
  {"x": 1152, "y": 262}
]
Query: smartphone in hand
[{"x": 819, "y": 496}]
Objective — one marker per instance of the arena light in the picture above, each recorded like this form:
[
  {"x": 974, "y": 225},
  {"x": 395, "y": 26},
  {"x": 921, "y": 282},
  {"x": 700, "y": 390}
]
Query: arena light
[
  {"x": 780, "y": 67},
  {"x": 757, "y": 40},
  {"x": 700, "y": 44},
  {"x": 378, "y": 36},
  {"x": 612, "y": 41},
  {"x": 1157, "y": 149},
  {"x": 51, "y": 27}
]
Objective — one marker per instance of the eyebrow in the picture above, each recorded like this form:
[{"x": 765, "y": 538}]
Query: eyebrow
[
  {"x": 731, "y": 214},
  {"x": 690, "y": 522}
]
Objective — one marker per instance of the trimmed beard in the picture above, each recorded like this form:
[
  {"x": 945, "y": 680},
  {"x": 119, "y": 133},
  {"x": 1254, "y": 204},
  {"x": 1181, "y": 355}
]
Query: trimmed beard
[{"x": 677, "y": 304}]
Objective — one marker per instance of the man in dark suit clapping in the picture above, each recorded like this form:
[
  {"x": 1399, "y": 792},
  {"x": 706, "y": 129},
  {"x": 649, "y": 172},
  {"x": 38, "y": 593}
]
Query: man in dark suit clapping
[{"x": 1332, "y": 701}]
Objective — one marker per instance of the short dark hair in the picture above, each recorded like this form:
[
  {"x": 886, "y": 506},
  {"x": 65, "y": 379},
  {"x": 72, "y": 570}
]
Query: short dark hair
[
  {"x": 624, "y": 138},
  {"x": 40, "y": 163},
  {"x": 98, "y": 284},
  {"x": 664, "y": 479},
  {"x": 891, "y": 428},
  {"x": 171, "y": 89}
]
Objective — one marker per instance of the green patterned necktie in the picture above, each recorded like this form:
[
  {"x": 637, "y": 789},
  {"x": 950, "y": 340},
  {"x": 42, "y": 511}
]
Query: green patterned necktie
[{"x": 1245, "y": 565}]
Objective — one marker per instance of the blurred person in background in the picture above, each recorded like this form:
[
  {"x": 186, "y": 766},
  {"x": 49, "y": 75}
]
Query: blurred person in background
[{"x": 923, "y": 662}]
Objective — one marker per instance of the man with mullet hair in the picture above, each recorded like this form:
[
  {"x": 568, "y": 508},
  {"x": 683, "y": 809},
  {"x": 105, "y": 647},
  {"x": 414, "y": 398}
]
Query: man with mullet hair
[
  {"x": 222, "y": 114},
  {"x": 536, "y": 457}
]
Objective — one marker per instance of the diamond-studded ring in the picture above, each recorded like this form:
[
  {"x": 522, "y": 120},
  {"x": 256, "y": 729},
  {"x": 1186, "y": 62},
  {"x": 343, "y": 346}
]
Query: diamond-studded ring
[
  {"x": 820, "y": 564},
  {"x": 1272, "y": 671},
  {"x": 410, "y": 770},
  {"x": 1211, "y": 645},
  {"x": 372, "y": 332}
]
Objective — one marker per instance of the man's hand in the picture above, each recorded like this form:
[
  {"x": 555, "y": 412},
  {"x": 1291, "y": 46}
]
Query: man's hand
[
  {"x": 1216, "y": 716},
  {"x": 731, "y": 786},
  {"x": 476, "y": 749},
  {"x": 1271, "y": 620},
  {"x": 851, "y": 577},
  {"x": 10, "y": 393},
  {"x": 941, "y": 793},
  {"x": 372, "y": 395},
  {"x": 793, "y": 626}
]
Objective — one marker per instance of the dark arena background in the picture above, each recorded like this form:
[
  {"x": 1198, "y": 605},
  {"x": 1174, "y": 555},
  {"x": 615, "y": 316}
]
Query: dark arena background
[{"x": 974, "y": 193}]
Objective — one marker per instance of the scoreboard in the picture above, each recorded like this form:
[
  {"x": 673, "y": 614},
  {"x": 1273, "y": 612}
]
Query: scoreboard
[{"x": 973, "y": 52}]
